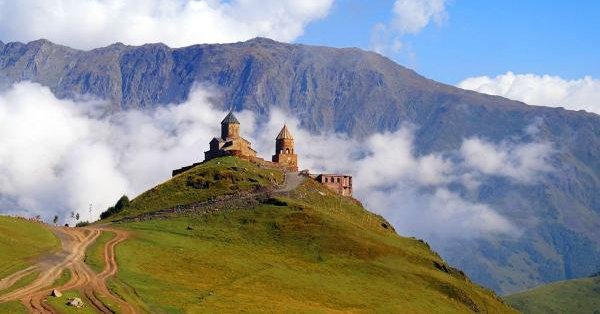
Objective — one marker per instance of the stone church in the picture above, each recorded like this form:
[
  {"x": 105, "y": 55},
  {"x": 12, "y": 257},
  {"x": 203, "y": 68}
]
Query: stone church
[{"x": 230, "y": 143}]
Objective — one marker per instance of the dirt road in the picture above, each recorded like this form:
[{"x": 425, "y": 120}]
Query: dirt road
[
  {"x": 91, "y": 286},
  {"x": 292, "y": 181}
]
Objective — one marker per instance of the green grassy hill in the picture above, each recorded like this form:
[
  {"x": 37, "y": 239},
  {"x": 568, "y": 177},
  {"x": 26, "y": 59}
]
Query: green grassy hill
[
  {"x": 21, "y": 242},
  {"x": 244, "y": 247},
  {"x": 571, "y": 296}
]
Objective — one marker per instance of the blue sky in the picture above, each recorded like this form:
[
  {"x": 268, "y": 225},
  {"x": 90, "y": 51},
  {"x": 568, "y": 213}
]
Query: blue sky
[{"x": 478, "y": 37}]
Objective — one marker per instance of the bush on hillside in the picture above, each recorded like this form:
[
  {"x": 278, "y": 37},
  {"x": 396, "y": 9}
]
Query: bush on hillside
[
  {"x": 82, "y": 224},
  {"x": 121, "y": 204}
]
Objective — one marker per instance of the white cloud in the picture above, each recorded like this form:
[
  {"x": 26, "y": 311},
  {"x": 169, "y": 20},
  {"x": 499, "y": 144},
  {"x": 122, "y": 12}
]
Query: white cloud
[
  {"x": 439, "y": 215},
  {"x": 58, "y": 156},
  {"x": 93, "y": 23},
  {"x": 409, "y": 17},
  {"x": 519, "y": 161},
  {"x": 538, "y": 90}
]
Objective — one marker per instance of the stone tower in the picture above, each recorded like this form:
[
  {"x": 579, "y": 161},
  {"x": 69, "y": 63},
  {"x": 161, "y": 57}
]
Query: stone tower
[
  {"x": 230, "y": 127},
  {"x": 284, "y": 150}
]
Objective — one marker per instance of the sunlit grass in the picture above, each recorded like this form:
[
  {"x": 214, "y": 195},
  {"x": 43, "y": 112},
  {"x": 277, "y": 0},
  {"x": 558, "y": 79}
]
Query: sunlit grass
[
  {"x": 571, "y": 296},
  {"x": 308, "y": 251},
  {"x": 22, "y": 242},
  {"x": 94, "y": 256}
]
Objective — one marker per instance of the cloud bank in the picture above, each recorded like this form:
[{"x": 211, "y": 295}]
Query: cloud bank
[
  {"x": 58, "y": 156},
  {"x": 409, "y": 17},
  {"x": 540, "y": 90},
  {"x": 89, "y": 24}
]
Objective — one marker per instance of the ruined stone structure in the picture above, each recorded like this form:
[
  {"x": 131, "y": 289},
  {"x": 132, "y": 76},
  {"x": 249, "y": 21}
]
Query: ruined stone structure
[
  {"x": 230, "y": 143},
  {"x": 284, "y": 150},
  {"x": 339, "y": 183}
]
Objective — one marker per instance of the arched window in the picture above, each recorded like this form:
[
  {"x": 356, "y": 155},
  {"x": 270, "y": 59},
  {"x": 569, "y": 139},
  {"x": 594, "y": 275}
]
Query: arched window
[{"x": 287, "y": 150}]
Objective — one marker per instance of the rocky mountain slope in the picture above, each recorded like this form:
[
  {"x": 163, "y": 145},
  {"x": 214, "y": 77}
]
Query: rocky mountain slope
[{"x": 360, "y": 93}]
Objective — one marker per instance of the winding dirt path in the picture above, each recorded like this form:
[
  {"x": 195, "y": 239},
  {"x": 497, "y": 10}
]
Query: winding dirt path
[{"x": 92, "y": 286}]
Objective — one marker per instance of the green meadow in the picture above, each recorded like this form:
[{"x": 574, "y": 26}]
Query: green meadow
[
  {"x": 307, "y": 251},
  {"x": 94, "y": 256},
  {"x": 13, "y": 307},
  {"x": 60, "y": 304},
  {"x": 23, "y": 241},
  {"x": 570, "y": 296}
]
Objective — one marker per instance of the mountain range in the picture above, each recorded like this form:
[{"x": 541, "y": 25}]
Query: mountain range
[{"x": 362, "y": 93}]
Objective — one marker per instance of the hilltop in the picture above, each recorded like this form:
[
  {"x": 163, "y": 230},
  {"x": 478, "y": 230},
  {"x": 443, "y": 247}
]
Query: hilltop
[
  {"x": 224, "y": 236},
  {"x": 570, "y": 296}
]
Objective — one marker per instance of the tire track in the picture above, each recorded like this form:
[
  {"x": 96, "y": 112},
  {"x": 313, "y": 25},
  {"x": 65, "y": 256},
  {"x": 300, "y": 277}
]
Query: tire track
[
  {"x": 91, "y": 286},
  {"x": 12, "y": 279}
]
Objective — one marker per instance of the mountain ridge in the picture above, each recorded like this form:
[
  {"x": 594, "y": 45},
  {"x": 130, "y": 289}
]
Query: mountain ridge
[{"x": 347, "y": 90}]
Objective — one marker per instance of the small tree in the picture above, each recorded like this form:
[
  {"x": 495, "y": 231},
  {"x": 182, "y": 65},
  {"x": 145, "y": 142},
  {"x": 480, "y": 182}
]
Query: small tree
[
  {"x": 121, "y": 204},
  {"x": 55, "y": 220},
  {"x": 77, "y": 216}
]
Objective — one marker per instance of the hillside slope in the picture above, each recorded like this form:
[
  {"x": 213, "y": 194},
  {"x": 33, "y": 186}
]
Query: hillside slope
[
  {"x": 360, "y": 93},
  {"x": 22, "y": 242},
  {"x": 571, "y": 296},
  {"x": 308, "y": 250}
]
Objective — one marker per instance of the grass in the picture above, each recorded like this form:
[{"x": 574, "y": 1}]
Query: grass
[
  {"x": 125, "y": 292},
  {"x": 571, "y": 296},
  {"x": 221, "y": 176},
  {"x": 23, "y": 282},
  {"x": 60, "y": 304},
  {"x": 311, "y": 251},
  {"x": 64, "y": 278},
  {"x": 22, "y": 242},
  {"x": 13, "y": 307},
  {"x": 94, "y": 256}
]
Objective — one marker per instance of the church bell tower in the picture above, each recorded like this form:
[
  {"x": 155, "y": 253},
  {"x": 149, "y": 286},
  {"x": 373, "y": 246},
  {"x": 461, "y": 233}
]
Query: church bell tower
[
  {"x": 230, "y": 127},
  {"x": 284, "y": 150}
]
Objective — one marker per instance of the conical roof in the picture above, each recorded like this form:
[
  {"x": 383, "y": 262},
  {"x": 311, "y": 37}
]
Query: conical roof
[
  {"x": 230, "y": 119},
  {"x": 285, "y": 134}
]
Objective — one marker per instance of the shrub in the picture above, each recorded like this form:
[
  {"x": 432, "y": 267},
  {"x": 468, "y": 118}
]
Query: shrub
[
  {"x": 121, "y": 204},
  {"x": 82, "y": 224}
]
